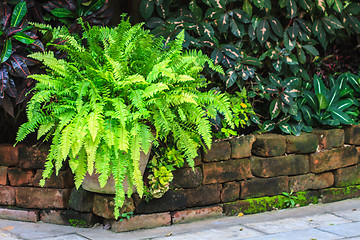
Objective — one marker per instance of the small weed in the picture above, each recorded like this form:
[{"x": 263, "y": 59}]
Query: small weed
[
  {"x": 126, "y": 215},
  {"x": 290, "y": 200},
  {"x": 77, "y": 222}
]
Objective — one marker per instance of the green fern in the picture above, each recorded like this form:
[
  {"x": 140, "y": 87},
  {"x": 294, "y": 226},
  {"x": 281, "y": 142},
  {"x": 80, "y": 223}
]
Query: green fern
[{"x": 115, "y": 95}]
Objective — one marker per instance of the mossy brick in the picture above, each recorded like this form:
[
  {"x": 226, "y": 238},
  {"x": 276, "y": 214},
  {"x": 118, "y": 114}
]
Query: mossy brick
[
  {"x": 81, "y": 200},
  {"x": 7, "y": 196},
  {"x": 141, "y": 222},
  {"x": 64, "y": 179},
  {"x": 230, "y": 192},
  {"x": 347, "y": 176},
  {"x": 279, "y": 166},
  {"x": 323, "y": 180},
  {"x": 305, "y": 143},
  {"x": 68, "y": 217},
  {"x": 3, "y": 175},
  {"x": 358, "y": 151},
  {"x": 352, "y": 134},
  {"x": 33, "y": 157},
  {"x": 203, "y": 196},
  {"x": 225, "y": 171},
  {"x": 104, "y": 206},
  {"x": 19, "y": 214},
  {"x": 260, "y": 187},
  {"x": 337, "y": 194},
  {"x": 301, "y": 182},
  {"x": 21, "y": 177},
  {"x": 171, "y": 201},
  {"x": 187, "y": 178},
  {"x": 269, "y": 145},
  {"x": 219, "y": 151},
  {"x": 333, "y": 159},
  {"x": 328, "y": 139},
  {"x": 241, "y": 146},
  {"x": 9, "y": 155},
  {"x": 42, "y": 198},
  {"x": 191, "y": 215}
]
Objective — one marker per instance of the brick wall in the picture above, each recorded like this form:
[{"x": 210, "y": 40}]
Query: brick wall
[{"x": 240, "y": 175}]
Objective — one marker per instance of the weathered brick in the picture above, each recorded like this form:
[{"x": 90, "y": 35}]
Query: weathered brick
[
  {"x": 259, "y": 187},
  {"x": 7, "y": 196},
  {"x": 225, "y": 171},
  {"x": 358, "y": 151},
  {"x": 323, "y": 180},
  {"x": 269, "y": 145},
  {"x": 171, "y": 201},
  {"x": 333, "y": 159},
  {"x": 21, "y": 177},
  {"x": 219, "y": 151},
  {"x": 347, "y": 176},
  {"x": 9, "y": 155},
  {"x": 67, "y": 217},
  {"x": 19, "y": 215},
  {"x": 141, "y": 221},
  {"x": 104, "y": 206},
  {"x": 43, "y": 198},
  {"x": 329, "y": 139},
  {"x": 305, "y": 143},
  {"x": 33, "y": 157},
  {"x": 230, "y": 192},
  {"x": 337, "y": 194},
  {"x": 352, "y": 134},
  {"x": 279, "y": 166},
  {"x": 187, "y": 178},
  {"x": 241, "y": 146},
  {"x": 301, "y": 182},
  {"x": 65, "y": 179},
  {"x": 3, "y": 175},
  {"x": 81, "y": 200},
  {"x": 203, "y": 196},
  {"x": 196, "y": 214}
]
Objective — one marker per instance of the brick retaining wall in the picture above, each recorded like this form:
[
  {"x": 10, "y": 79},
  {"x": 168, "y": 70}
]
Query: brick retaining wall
[{"x": 240, "y": 175}]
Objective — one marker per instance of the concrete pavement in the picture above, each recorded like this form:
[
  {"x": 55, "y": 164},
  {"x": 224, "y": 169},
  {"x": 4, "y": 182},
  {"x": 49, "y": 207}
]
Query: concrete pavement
[{"x": 339, "y": 220}]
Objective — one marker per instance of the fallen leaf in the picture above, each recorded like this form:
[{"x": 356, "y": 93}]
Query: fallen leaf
[
  {"x": 169, "y": 234},
  {"x": 240, "y": 214},
  {"x": 241, "y": 229},
  {"x": 8, "y": 228},
  {"x": 354, "y": 209}
]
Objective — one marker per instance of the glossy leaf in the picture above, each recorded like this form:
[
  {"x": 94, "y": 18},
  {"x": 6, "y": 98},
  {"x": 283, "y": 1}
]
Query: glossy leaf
[
  {"x": 321, "y": 4},
  {"x": 146, "y": 8},
  {"x": 285, "y": 127},
  {"x": 355, "y": 23},
  {"x": 231, "y": 78},
  {"x": 207, "y": 30},
  {"x": 223, "y": 23},
  {"x": 274, "y": 108},
  {"x": 354, "y": 81},
  {"x": 18, "y": 14},
  {"x": 341, "y": 116},
  {"x": 12, "y": 30},
  {"x": 275, "y": 79},
  {"x": 338, "y": 6},
  {"x": 268, "y": 126},
  {"x": 319, "y": 86},
  {"x": 4, "y": 79},
  {"x": 263, "y": 31},
  {"x": 217, "y": 56},
  {"x": 332, "y": 22},
  {"x": 237, "y": 28},
  {"x": 307, "y": 114},
  {"x": 240, "y": 15},
  {"x": 305, "y": 4},
  {"x": 62, "y": 12},
  {"x": 154, "y": 22},
  {"x": 311, "y": 50},
  {"x": 289, "y": 44},
  {"x": 312, "y": 100},
  {"x": 22, "y": 37},
  {"x": 301, "y": 56},
  {"x": 322, "y": 101},
  {"x": 303, "y": 25},
  {"x": 247, "y": 7},
  {"x": 93, "y": 7},
  {"x": 286, "y": 98},
  {"x": 251, "y": 61},
  {"x": 6, "y": 51},
  {"x": 330, "y": 2},
  {"x": 276, "y": 27},
  {"x": 346, "y": 103},
  {"x": 291, "y": 8},
  {"x": 277, "y": 65},
  {"x": 19, "y": 66},
  {"x": 231, "y": 51},
  {"x": 293, "y": 31}
]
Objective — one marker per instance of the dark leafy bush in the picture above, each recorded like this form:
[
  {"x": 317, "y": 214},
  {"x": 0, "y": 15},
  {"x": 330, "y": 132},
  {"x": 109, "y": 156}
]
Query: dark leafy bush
[{"x": 270, "y": 47}]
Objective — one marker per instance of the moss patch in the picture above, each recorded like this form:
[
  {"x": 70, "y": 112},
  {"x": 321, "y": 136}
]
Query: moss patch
[{"x": 337, "y": 194}]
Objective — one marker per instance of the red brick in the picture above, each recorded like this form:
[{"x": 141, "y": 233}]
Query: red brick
[
  {"x": 65, "y": 179},
  {"x": 197, "y": 214},
  {"x": 19, "y": 215},
  {"x": 9, "y": 155},
  {"x": 43, "y": 198},
  {"x": 333, "y": 159},
  {"x": 352, "y": 134},
  {"x": 279, "y": 166},
  {"x": 7, "y": 196},
  {"x": 67, "y": 217},
  {"x": 81, "y": 200},
  {"x": 225, "y": 171},
  {"x": 230, "y": 192},
  {"x": 329, "y": 139},
  {"x": 301, "y": 182},
  {"x": 241, "y": 146},
  {"x": 3, "y": 175},
  {"x": 323, "y": 180},
  {"x": 219, "y": 151},
  {"x": 347, "y": 176},
  {"x": 104, "y": 206},
  {"x": 33, "y": 157},
  {"x": 269, "y": 145},
  {"x": 260, "y": 187},
  {"x": 21, "y": 177},
  {"x": 305, "y": 143},
  {"x": 141, "y": 221},
  {"x": 187, "y": 178},
  {"x": 203, "y": 196}
]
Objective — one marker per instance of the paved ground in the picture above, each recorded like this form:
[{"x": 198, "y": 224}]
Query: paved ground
[{"x": 340, "y": 220}]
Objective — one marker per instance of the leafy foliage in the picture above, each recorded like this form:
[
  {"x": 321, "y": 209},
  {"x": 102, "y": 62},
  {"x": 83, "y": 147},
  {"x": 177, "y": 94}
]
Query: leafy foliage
[
  {"x": 101, "y": 105},
  {"x": 261, "y": 45},
  {"x": 17, "y": 40}
]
